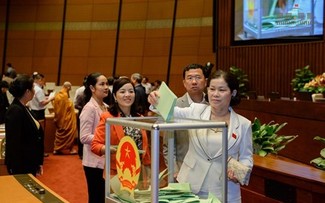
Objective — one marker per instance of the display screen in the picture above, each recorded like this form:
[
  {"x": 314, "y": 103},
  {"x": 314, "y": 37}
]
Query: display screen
[{"x": 261, "y": 21}]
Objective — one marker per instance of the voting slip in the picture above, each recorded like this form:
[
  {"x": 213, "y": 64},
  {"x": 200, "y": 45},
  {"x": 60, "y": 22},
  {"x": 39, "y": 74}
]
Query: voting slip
[{"x": 166, "y": 102}]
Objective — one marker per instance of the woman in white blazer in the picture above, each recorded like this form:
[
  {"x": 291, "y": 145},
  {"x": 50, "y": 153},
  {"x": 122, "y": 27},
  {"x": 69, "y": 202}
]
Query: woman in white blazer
[{"x": 202, "y": 165}]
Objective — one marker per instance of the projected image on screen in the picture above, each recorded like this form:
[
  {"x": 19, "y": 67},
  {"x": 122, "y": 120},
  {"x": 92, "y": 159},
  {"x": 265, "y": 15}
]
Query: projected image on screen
[{"x": 278, "y": 19}]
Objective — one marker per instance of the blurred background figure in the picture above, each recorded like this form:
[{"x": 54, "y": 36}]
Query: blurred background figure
[
  {"x": 65, "y": 120},
  {"x": 39, "y": 101},
  {"x": 4, "y": 103},
  {"x": 140, "y": 94},
  {"x": 79, "y": 103},
  {"x": 156, "y": 85},
  {"x": 24, "y": 134},
  {"x": 9, "y": 76},
  {"x": 109, "y": 99},
  {"x": 146, "y": 84}
]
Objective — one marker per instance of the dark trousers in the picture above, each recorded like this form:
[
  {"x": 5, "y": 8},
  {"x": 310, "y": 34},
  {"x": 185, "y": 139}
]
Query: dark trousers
[
  {"x": 80, "y": 145},
  {"x": 95, "y": 184}
]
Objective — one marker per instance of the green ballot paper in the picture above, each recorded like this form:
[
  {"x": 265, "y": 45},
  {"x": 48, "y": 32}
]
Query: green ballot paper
[{"x": 166, "y": 102}]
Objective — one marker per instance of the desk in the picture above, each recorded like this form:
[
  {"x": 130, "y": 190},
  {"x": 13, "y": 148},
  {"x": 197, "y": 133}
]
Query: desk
[
  {"x": 14, "y": 189},
  {"x": 49, "y": 133}
]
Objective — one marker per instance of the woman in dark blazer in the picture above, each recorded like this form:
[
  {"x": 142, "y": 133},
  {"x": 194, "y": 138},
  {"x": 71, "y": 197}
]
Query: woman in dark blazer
[{"x": 24, "y": 135}]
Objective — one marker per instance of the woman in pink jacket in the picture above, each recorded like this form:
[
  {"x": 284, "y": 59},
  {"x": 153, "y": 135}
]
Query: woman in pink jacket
[{"x": 96, "y": 90}]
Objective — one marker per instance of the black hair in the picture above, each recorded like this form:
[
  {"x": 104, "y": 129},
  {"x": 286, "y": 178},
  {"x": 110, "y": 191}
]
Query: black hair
[
  {"x": 206, "y": 70},
  {"x": 91, "y": 80},
  {"x": 232, "y": 82},
  {"x": 20, "y": 84},
  {"x": 110, "y": 80},
  {"x": 4, "y": 84},
  {"x": 11, "y": 73},
  {"x": 114, "y": 109},
  {"x": 37, "y": 76},
  {"x": 192, "y": 66}
]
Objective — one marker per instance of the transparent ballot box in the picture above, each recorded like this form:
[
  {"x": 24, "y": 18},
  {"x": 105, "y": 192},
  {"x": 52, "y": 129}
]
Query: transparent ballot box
[
  {"x": 156, "y": 127},
  {"x": 271, "y": 19}
]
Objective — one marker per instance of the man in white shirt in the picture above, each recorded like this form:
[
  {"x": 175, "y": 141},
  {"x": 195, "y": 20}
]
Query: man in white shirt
[{"x": 39, "y": 101}]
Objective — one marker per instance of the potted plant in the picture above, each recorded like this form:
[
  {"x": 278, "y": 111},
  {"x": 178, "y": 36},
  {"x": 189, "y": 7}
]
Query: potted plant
[
  {"x": 266, "y": 140},
  {"x": 320, "y": 161},
  {"x": 302, "y": 76},
  {"x": 242, "y": 79}
]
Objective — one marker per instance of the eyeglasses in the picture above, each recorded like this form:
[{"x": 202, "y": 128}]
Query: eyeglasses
[{"x": 196, "y": 78}]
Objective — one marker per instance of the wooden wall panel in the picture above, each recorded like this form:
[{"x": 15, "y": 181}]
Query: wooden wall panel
[
  {"x": 160, "y": 9},
  {"x": 133, "y": 11},
  {"x": 90, "y": 37},
  {"x": 79, "y": 12},
  {"x": 103, "y": 65},
  {"x": 105, "y": 12},
  {"x": 49, "y": 13},
  {"x": 126, "y": 65},
  {"x": 269, "y": 67},
  {"x": 74, "y": 65}
]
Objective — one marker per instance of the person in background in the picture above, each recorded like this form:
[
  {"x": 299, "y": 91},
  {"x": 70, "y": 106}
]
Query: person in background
[
  {"x": 4, "y": 103},
  {"x": 110, "y": 81},
  {"x": 140, "y": 94},
  {"x": 202, "y": 166},
  {"x": 95, "y": 92},
  {"x": 109, "y": 99},
  {"x": 65, "y": 120},
  {"x": 146, "y": 84},
  {"x": 9, "y": 76},
  {"x": 156, "y": 85},
  {"x": 24, "y": 134},
  {"x": 194, "y": 81},
  {"x": 79, "y": 103},
  {"x": 124, "y": 106},
  {"x": 39, "y": 101}
]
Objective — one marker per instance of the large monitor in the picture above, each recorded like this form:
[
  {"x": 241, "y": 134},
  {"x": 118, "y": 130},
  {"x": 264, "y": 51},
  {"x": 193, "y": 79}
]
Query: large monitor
[{"x": 277, "y": 21}]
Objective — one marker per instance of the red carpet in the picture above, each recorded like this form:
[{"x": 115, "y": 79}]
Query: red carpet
[{"x": 64, "y": 175}]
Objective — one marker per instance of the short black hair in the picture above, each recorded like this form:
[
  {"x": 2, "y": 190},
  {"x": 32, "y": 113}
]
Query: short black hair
[{"x": 4, "y": 84}]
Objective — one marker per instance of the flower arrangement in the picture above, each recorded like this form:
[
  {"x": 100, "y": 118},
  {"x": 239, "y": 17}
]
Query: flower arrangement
[{"x": 316, "y": 85}]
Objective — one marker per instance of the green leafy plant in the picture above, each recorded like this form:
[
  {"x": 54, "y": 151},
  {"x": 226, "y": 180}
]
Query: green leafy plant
[
  {"x": 266, "y": 140},
  {"x": 320, "y": 161},
  {"x": 302, "y": 76},
  {"x": 242, "y": 78}
]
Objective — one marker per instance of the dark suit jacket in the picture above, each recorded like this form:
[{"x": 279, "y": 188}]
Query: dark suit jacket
[
  {"x": 24, "y": 141},
  {"x": 141, "y": 99}
]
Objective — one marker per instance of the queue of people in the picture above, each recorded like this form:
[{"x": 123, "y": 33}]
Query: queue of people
[{"x": 197, "y": 153}]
